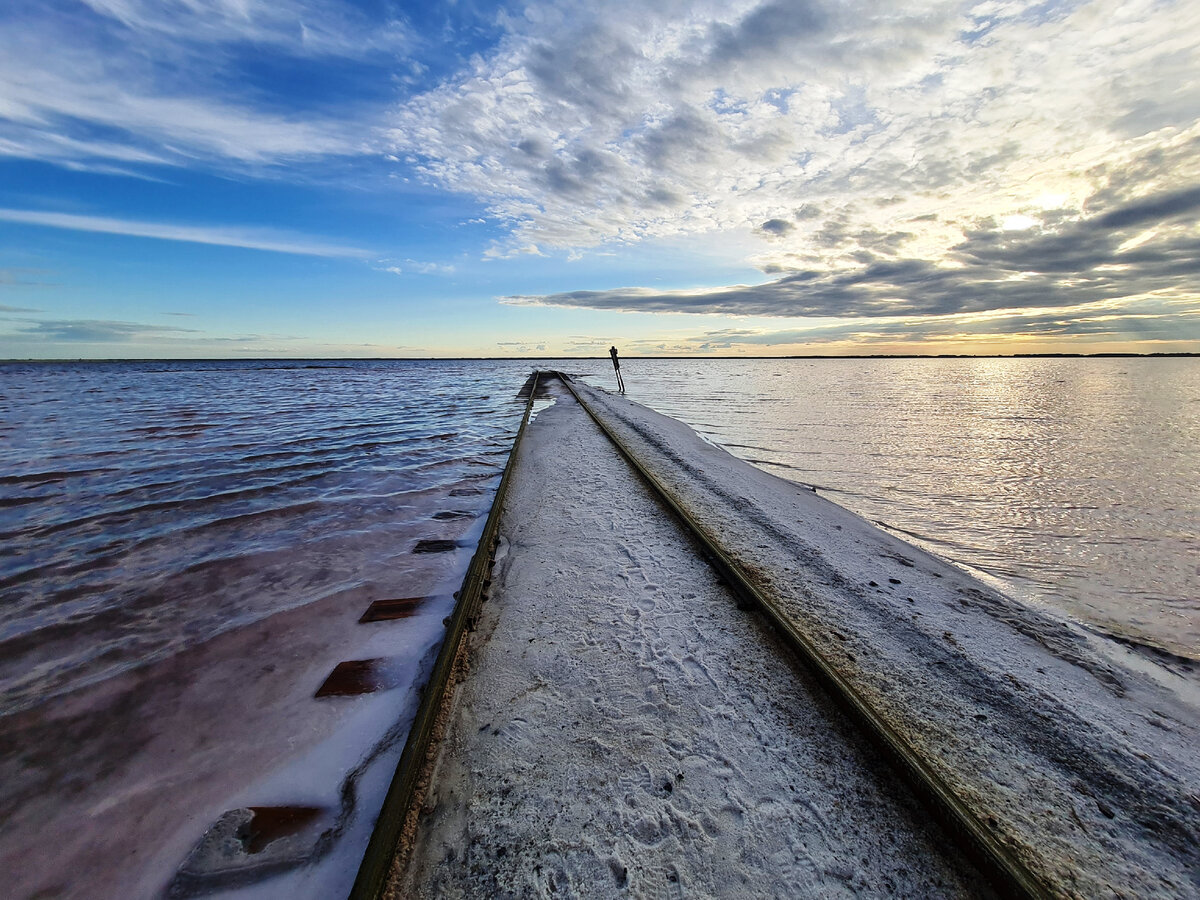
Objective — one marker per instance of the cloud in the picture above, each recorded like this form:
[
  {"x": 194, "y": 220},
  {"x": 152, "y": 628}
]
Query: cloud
[
  {"x": 410, "y": 266},
  {"x": 527, "y": 346},
  {"x": 20, "y": 277},
  {"x": 872, "y": 147},
  {"x": 1143, "y": 321},
  {"x": 1151, "y": 210},
  {"x": 116, "y": 336},
  {"x": 301, "y": 28},
  {"x": 93, "y": 331},
  {"x": 252, "y": 239},
  {"x": 187, "y": 82},
  {"x": 778, "y": 227},
  {"x": 599, "y": 123},
  {"x": 1146, "y": 246},
  {"x": 76, "y": 113}
]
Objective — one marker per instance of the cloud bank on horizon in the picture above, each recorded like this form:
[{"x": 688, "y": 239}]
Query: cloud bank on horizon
[{"x": 909, "y": 171}]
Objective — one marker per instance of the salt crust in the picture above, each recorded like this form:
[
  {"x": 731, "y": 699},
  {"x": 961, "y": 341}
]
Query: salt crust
[
  {"x": 107, "y": 790},
  {"x": 625, "y": 729},
  {"x": 1087, "y": 767}
]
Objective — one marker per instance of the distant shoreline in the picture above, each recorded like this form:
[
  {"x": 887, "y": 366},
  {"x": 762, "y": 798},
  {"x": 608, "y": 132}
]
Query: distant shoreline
[{"x": 189, "y": 359}]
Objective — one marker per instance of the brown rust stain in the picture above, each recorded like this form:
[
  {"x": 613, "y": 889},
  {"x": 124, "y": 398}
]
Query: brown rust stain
[
  {"x": 396, "y": 608},
  {"x": 438, "y": 545},
  {"x": 354, "y": 676},
  {"x": 270, "y": 823}
]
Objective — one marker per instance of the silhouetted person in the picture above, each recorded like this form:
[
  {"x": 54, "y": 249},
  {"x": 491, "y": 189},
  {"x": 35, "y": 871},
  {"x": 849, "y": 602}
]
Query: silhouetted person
[{"x": 612, "y": 351}]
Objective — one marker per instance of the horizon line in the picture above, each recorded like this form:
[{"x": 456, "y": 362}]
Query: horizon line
[{"x": 115, "y": 359}]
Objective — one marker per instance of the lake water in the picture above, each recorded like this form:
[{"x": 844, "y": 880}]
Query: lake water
[
  {"x": 145, "y": 506},
  {"x": 148, "y": 509},
  {"x": 1075, "y": 481},
  {"x": 185, "y": 551}
]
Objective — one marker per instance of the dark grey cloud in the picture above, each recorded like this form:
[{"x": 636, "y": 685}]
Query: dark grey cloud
[
  {"x": 883, "y": 242},
  {"x": 1082, "y": 247},
  {"x": 663, "y": 196},
  {"x": 1082, "y": 262},
  {"x": 93, "y": 331},
  {"x": 15, "y": 309},
  {"x": 1153, "y": 209},
  {"x": 1128, "y": 183},
  {"x": 587, "y": 72},
  {"x": 777, "y": 227},
  {"x": 20, "y": 277},
  {"x": 575, "y": 176},
  {"x": 687, "y": 138},
  {"x": 1142, "y": 321},
  {"x": 535, "y": 147},
  {"x": 772, "y": 28}
]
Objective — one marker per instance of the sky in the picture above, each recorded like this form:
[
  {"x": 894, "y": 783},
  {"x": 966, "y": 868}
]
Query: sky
[{"x": 313, "y": 178}]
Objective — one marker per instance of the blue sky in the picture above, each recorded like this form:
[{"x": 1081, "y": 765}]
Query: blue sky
[{"x": 757, "y": 177}]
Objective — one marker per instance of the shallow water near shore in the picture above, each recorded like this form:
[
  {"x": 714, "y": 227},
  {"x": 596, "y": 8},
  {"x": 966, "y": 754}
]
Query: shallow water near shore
[
  {"x": 125, "y": 486},
  {"x": 187, "y": 551},
  {"x": 147, "y": 506}
]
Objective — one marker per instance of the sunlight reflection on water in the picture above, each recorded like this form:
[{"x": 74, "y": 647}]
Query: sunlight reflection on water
[{"x": 1075, "y": 480}]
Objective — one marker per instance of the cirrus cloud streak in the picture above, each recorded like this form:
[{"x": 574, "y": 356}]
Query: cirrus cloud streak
[{"x": 251, "y": 239}]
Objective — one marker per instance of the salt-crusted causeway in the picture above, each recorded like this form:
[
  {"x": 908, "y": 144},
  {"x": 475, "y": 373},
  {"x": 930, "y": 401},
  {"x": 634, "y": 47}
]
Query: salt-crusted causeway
[{"x": 689, "y": 677}]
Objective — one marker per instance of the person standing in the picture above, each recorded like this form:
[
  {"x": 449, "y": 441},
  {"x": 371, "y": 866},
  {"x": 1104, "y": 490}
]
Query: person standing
[{"x": 612, "y": 351}]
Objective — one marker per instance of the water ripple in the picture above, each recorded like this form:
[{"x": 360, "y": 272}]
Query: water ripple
[{"x": 148, "y": 506}]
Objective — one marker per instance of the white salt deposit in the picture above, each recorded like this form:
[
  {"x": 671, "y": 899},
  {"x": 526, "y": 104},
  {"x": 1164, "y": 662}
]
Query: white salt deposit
[
  {"x": 1087, "y": 767},
  {"x": 627, "y": 729}
]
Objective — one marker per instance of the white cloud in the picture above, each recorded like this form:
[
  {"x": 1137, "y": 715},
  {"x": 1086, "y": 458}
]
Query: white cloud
[
  {"x": 410, "y": 266},
  {"x": 845, "y": 132},
  {"x": 139, "y": 82},
  {"x": 41, "y": 106},
  {"x": 253, "y": 239},
  {"x": 304, "y": 27}
]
